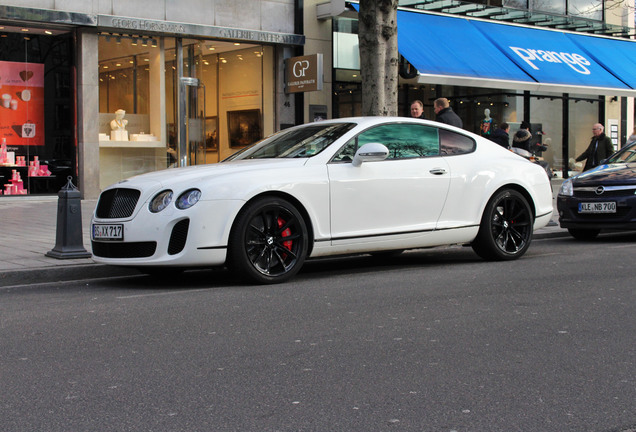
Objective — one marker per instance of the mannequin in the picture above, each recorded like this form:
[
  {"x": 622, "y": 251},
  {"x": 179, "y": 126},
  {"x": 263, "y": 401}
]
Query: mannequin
[
  {"x": 118, "y": 126},
  {"x": 485, "y": 127}
]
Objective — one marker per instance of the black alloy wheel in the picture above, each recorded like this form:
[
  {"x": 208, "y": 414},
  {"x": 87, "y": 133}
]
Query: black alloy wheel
[
  {"x": 268, "y": 242},
  {"x": 506, "y": 227}
]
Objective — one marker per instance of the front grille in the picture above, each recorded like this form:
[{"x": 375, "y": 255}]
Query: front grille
[
  {"x": 117, "y": 203},
  {"x": 124, "y": 250},
  {"x": 607, "y": 194},
  {"x": 178, "y": 237}
]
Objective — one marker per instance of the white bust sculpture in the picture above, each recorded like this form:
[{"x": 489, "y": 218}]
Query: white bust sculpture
[
  {"x": 487, "y": 114},
  {"x": 120, "y": 122},
  {"x": 118, "y": 126}
]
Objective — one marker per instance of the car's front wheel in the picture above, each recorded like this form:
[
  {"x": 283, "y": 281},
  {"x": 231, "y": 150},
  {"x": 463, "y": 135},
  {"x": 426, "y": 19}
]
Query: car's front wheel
[
  {"x": 268, "y": 242},
  {"x": 506, "y": 226},
  {"x": 583, "y": 234}
]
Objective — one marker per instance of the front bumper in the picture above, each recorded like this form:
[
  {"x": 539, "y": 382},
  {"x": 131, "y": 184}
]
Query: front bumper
[
  {"x": 195, "y": 237},
  {"x": 624, "y": 218}
]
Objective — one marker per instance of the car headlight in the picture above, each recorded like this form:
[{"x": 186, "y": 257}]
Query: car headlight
[
  {"x": 188, "y": 199},
  {"x": 160, "y": 201},
  {"x": 566, "y": 188}
]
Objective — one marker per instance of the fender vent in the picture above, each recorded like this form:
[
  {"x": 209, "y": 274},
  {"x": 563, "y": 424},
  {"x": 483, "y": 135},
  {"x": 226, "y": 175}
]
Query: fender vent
[{"x": 178, "y": 237}]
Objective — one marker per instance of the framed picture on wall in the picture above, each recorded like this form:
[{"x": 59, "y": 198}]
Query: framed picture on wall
[
  {"x": 211, "y": 134},
  {"x": 244, "y": 127}
]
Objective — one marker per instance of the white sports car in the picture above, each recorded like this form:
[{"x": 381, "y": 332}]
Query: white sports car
[{"x": 351, "y": 185}]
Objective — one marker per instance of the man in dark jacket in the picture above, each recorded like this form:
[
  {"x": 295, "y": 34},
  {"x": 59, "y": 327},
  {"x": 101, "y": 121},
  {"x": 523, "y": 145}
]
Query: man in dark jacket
[
  {"x": 444, "y": 113},
  {"x": 417, "y": 109},
  {"x": 600, "y": 148},
  {"x": 500, "y": 135}
]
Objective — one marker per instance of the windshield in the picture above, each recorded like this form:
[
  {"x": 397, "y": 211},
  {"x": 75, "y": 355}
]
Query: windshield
[
  {"x": 626, "y": 154},
  {"x": 299, "y": 142}
]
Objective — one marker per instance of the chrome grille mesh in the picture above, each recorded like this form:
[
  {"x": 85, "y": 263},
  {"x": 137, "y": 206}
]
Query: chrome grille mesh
[{"x": 117, "y": 203}]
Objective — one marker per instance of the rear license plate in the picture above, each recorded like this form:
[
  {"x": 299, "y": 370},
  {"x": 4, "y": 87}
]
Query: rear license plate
[
  {"x": 108, "y": 232},
  {"x": 597, "y": 207}
]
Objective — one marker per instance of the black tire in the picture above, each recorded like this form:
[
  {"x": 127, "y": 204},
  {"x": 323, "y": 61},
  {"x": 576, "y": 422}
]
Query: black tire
[
  {"x": 506, "y": 227},
  {"x": 583, "y": 234},
  {"x": 268, "y": 242}
]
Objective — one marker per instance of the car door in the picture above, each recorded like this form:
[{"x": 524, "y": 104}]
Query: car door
[{"x": 403, "y": 194}]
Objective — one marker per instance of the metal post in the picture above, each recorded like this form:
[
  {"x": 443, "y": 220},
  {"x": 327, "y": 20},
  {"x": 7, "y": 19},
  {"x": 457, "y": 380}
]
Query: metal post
[{"x": 69, "y": 241}]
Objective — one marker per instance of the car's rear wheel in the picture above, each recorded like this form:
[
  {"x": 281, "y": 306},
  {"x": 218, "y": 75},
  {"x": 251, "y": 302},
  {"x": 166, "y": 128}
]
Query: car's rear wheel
[
  {"x": 583, "y": 234},
  {"x": 268, "y": 242},
  {"x": 505, "y": 232}
]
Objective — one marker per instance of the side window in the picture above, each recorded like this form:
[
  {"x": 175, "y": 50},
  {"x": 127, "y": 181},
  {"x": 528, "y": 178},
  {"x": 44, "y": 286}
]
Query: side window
[
  {"x": 403, "y": 140},
  {"x": 452, "y": 143}
]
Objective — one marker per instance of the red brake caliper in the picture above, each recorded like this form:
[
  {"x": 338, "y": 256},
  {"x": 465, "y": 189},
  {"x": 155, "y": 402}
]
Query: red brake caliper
[{"x": 286, "y": 233}]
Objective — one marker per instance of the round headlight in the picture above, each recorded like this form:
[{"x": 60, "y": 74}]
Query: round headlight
[
  {"x": 160, "y": 201},
  {"x": 188, "y": 199}
]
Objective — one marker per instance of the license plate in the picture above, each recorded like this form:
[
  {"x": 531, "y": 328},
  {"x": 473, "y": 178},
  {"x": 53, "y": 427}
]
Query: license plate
[
  {"x": 597, "y": 207},
  {"x": 108, "y": 232}
]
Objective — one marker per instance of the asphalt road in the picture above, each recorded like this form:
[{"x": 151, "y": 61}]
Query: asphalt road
[{"x": 434, "y": 340}]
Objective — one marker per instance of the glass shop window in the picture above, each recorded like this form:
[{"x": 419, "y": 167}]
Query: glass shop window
[{"x": 37, "y": 130}]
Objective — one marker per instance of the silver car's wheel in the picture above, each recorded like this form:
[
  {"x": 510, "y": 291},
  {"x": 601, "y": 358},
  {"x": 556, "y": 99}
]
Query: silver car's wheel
[
  {"x": 268, "y": 242},
  {"x": 505, "y": 232}
]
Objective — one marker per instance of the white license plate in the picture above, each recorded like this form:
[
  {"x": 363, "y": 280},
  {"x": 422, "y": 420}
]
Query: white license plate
[
  {"x": 597, "y": 207},
  {"x": 108, "y": 232}
]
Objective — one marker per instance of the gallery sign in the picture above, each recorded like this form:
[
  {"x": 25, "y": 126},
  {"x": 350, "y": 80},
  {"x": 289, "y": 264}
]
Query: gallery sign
[{"x": 303, "y": 74}]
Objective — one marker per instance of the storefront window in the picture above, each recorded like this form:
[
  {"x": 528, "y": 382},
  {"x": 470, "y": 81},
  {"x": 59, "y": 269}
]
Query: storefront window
[
  {"x": 131, "y": 136},
  {"x": 226, "y": 94},
  {"x": 37, "y": 131},
  {"x": 230, "y": 106}
]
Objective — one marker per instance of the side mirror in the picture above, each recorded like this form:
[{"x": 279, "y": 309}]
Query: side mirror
[{"x": 370, "y": 152}]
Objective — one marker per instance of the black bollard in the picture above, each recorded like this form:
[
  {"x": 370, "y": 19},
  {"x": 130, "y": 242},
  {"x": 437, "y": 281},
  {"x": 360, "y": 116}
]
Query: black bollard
[{"x": 69, "y": 242}]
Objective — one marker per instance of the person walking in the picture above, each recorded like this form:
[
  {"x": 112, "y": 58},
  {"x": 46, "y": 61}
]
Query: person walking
[
  {"x": 521, "y": 139},
  {"x": 600, "y": 148},
  {"x": 500, "y": 135},
  {"x": 417, "y": 109},
  {"x": 445, "y": 114}
]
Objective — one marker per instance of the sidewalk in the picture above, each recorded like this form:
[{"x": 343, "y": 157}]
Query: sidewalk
[{"x": 29, "y": 226}]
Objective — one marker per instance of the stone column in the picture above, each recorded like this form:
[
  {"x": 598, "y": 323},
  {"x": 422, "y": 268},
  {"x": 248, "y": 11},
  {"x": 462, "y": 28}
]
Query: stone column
[{"x": 88, "y": 113}]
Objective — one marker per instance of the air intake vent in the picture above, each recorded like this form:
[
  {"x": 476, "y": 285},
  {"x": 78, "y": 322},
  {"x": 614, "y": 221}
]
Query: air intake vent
[
  {"x": 178, "y": 237},
  {"x": 124, "y": 250},
  {"x": 117, "y": 203}
]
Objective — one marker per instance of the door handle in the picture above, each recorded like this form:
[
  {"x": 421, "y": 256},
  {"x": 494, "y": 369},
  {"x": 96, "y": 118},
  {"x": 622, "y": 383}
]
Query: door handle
[{"x": 438, "y": 171}]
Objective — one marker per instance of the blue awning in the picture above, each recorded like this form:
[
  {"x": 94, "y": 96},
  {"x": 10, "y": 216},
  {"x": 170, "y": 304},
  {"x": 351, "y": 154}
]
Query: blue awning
[
  {"x": 442, "y": 45},
  {"x": 549, "y": 56},
  {"x": 616, "y": 55},
  {"x": 470, "y": 52}
]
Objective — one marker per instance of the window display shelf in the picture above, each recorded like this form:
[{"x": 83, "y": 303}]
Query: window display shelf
[{"x": 131, "y": 144}]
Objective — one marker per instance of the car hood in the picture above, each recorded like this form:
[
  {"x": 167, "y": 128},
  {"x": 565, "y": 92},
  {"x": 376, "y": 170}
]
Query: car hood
[
  {"x": 195, "y": 174},
  {"x": 608, "y": 174}
]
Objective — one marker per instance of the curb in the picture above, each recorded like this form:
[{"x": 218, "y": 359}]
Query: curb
[{"x": 64, "y": 273}]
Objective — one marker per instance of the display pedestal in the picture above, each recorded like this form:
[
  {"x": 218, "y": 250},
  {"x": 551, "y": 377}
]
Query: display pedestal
[
  {"x": 122, "y": 159},
  {"x": 119, "y": 135}
]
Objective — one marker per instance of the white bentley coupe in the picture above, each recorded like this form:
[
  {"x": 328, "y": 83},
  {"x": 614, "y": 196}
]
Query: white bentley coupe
[{"x": 346, "y": 186}]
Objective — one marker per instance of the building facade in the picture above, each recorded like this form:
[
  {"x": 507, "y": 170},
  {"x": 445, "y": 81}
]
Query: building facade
[
  {"x": 98, "y": 91},
  {"x": 453, "y": 42}
]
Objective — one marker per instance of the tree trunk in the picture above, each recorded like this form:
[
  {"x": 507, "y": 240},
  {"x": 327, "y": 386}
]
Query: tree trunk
[{"x": 377, "y": 33}]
